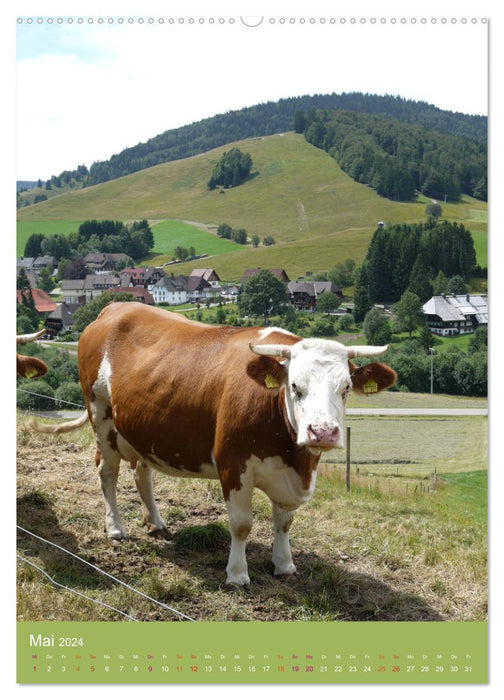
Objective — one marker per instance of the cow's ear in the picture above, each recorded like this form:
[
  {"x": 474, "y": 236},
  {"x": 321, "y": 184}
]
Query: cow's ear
[
  {"x": 267, "y": 372},
  {"x": 372, "y": 378},
  {"x": 30, "y": 367}
]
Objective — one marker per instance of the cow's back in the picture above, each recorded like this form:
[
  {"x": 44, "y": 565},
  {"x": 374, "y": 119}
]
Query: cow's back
[{"x": 175, "y": 388}]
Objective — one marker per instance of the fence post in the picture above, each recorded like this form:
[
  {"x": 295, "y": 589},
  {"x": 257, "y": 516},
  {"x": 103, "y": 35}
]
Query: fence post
[{"x": 347, "y": 478}]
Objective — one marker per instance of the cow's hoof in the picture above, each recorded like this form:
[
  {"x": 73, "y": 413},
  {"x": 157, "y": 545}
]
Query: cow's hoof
[
  {"x": 116, "y": 535},
  {"x": 159, "y": 534},
  {"x": 285, "y": 570},
  {"x": 237, "y": 580}
]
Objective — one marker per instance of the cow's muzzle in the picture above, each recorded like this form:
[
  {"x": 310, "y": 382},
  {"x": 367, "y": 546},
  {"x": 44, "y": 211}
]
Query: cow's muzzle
[{"x": 323, "y": 436}]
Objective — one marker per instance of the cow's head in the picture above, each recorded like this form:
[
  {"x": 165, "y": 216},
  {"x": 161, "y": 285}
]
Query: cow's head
[
  {"x": 319, "y": 377},
  {"x": 27, "y": 366}
]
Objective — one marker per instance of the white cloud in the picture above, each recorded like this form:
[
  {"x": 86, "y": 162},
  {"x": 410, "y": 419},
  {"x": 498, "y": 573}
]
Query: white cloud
[{"x": 111, "y": 86}]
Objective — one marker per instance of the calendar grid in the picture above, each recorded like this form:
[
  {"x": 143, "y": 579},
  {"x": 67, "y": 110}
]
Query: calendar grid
[{"x": 249, "y": 652}]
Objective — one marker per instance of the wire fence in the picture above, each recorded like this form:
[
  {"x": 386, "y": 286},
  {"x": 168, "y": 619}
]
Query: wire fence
[
  {"x": 52, "y": 398},
  {"x": 104, "y": 573},
  {"x": 426, "y": 484}
]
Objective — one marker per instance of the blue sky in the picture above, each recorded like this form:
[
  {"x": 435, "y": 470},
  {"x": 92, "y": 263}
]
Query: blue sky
[{"x": 86, "y": 90}]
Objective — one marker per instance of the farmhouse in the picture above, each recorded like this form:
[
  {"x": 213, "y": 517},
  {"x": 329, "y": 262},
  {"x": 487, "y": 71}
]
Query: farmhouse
[
  {"x": 303, "y": 295},
  {"x": 182, "y": 289},
  {"x": 61, "y": 319},
  {"x": 43, "y": 302},
  {"x": 170, "y": 290},
  {"x": 36, "y": 264},
  {"x": 144, "y": 276},
  {"x": 82, "y": 291},
  {"x": 252, "y": 272},
  {"x": 208, "y": 275},
  {"x": 455, "y": 314},
  {"x": 101, "y": 263}
]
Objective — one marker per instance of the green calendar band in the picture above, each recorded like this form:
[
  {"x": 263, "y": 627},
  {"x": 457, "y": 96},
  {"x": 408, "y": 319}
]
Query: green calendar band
[{"x": 250, "y": 652}]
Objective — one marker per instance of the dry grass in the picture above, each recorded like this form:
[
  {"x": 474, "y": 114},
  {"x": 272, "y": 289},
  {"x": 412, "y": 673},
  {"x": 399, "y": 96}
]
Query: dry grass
[{"x": 363, "y": 555}]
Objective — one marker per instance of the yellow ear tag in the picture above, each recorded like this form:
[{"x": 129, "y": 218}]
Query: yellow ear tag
[
  {"x": 271, "y": 382},
  {"x": 29, "y": 373},
  {"x": 370, "y": 387}
]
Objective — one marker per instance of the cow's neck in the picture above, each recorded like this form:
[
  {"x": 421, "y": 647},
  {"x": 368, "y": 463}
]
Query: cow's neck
[{"x": 304, "y": 461}]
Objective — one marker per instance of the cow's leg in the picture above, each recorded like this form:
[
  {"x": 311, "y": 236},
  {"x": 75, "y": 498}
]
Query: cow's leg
[
  {"x": 239, "y": 507},
  {"x": 107, "y": 459},
  {"x": 151, "y": 516},
  {"x": 282, "y": 556},
  {"x": 108, "y": 471}
]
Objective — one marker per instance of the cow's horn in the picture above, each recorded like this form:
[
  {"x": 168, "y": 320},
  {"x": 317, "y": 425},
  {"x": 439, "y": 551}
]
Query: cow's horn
[
  {"x": 30, "y": 337},
  {"x": 271, "y": 350},
  {"x": 366, "y": 350}
]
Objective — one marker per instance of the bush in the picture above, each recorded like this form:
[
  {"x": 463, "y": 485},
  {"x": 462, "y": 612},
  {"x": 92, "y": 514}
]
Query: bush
[
  {"x": 39, "y": 397},
  {"x": 346, "y": 322},
  {"x": 377, "y": 328},
  {"x": 324, "y": 328},
  {"x": 70, "y": 392}
]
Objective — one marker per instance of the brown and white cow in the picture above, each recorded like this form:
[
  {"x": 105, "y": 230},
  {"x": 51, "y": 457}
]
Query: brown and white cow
[
  {"x": 26, "y": 366},
  {"x": 252, "y": 407}
]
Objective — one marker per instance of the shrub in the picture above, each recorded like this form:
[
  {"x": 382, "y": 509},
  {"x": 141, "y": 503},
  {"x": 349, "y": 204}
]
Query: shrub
[
  {"x": 69, "y": 392},
  {"x": 40, "y": 396},
  {"x": 346, "y": 322},
  {"x": 323, "y": 327}
]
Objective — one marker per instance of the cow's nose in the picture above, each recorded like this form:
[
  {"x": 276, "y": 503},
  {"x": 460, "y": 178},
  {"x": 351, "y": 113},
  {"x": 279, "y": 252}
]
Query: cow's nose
[{"x": 322, "y": 434}]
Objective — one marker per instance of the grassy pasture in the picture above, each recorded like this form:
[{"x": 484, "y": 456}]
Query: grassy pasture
[
  {"x": 375, "y": 553},
  {"x": 170, "y": 234},
  {"x": 26, "y": 228},
  {"x": 298, "y": 194}
]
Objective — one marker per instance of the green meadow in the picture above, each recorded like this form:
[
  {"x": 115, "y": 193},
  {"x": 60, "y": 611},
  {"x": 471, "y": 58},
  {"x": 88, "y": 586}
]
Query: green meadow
[{"x": 297, "y": 193}]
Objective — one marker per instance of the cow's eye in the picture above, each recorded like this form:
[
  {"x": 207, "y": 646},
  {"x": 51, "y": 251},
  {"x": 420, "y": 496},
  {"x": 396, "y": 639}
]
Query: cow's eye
[
  {"x": 346, "y": 392},
  {"x": 296, "y": 391}
]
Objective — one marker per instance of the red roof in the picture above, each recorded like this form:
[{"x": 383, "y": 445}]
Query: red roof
[{"x": 43, "y": 302}]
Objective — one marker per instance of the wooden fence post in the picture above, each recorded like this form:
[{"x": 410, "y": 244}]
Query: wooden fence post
[{"x": 347, "y": 479}]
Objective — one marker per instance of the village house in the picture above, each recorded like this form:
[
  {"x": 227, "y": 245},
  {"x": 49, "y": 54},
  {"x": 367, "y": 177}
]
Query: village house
[
  {"x": 303, "y": 295},
  {"x": 43, "y": 302},
  {"x": 170, "y": 290},
  {"x": 82, "y": 291},
  {"x": 36, "y": 264},
  {"x": 144, "y": 276},
  {"x": 101, "y": 263},
  {"x": 208, "y": 275},
  {"x": 61, "y": 319},
  {"x": 182, "y": 289},
  {"x": 252, "y": 272},
  {"x": 455, "y": 314}
]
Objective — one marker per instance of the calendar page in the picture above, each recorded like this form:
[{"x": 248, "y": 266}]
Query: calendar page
[{"x": 252, "y": 320}]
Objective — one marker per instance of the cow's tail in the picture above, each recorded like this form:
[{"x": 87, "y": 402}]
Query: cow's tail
[{"x": 57, "y": 428}]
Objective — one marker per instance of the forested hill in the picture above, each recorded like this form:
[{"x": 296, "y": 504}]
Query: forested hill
[
  {"x": 398, "y": 159},
  {"x": 272, "y": 118}
]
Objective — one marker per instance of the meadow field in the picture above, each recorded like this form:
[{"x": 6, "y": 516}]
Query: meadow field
[
  {"x": 298, "y": 194},
  {"x": 407, "y": 542}
]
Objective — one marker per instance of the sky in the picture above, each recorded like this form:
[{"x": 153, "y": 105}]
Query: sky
[{"x": 88, "y": 89}]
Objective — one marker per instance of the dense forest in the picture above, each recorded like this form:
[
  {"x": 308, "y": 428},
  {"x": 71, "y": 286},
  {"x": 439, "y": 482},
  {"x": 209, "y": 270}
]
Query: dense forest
[
  {"x": 410, "y": 257},
  {"x": 266, "y": 119},
  {"x": 398, "y": 159}
]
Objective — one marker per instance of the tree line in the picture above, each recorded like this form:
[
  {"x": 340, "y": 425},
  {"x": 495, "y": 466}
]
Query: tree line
[
  {"x": 398, "y": 159},
  {"x": 135, "y": 240},
  {"x": 416, "y": 257}
]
